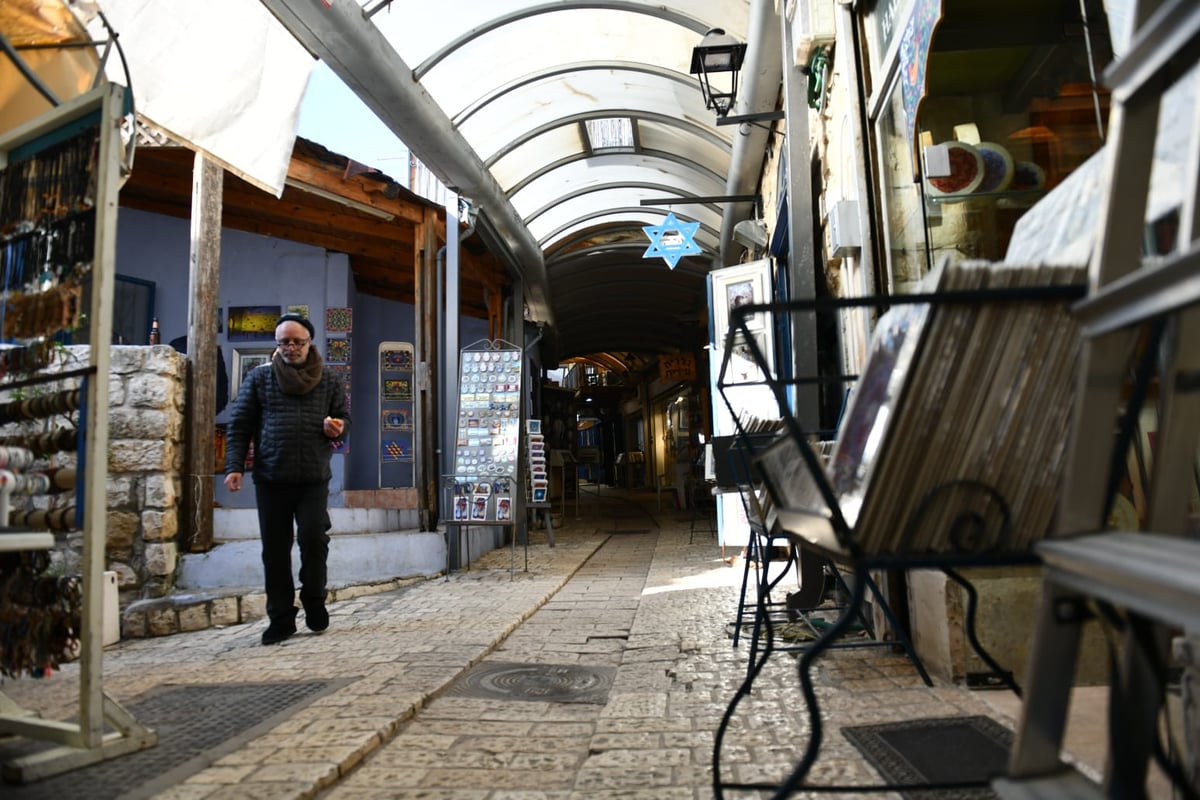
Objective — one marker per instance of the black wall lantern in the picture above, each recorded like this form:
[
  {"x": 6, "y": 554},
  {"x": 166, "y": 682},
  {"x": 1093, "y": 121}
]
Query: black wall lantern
[{"x": 718, "y": 55}]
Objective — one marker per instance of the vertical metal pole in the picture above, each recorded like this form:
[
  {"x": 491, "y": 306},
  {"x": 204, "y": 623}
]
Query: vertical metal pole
[{"x": 448, "y": 326}]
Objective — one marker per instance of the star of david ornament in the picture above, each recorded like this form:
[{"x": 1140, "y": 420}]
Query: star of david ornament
[{"x": 672, "y": 240}]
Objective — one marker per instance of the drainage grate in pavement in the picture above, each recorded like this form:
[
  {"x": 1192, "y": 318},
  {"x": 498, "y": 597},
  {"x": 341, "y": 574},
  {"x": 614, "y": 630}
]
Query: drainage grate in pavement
[
  {"x": 632, "y": 530},
  {"x": 549, "y": 683},
  {"x": 196, "y": 725}
]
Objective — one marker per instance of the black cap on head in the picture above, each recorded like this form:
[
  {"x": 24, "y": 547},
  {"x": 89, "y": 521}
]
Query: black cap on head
[{"x": 312, "y": 332}]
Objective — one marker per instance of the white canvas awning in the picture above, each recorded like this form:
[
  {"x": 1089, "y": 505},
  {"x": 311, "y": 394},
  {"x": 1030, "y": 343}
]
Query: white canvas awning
[{"x": 221, "y": 76}]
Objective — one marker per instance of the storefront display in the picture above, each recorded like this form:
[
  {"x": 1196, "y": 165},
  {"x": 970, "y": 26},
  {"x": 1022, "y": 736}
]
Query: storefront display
[{"x": 971, "y": 129}]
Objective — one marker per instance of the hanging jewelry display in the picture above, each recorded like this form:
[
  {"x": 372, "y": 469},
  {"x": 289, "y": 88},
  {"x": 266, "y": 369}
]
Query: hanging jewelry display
[
  {"x": 47, "y": 239},
  {"x": 39, "y": 615},
  {"x": 47, "y": 235}
]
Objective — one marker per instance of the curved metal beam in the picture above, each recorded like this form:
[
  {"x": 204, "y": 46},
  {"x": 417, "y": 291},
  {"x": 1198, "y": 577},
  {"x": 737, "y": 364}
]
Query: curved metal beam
[
  {"x": 548, "y": 239},
  {"x": 648, "y": 7},
  {"x": 357, "y": 52},
  {"x": 602, "y": 157}
]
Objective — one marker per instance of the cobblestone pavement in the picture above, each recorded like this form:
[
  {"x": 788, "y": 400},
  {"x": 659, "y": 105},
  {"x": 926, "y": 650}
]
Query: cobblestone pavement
[{"x": 626, "y": 587}]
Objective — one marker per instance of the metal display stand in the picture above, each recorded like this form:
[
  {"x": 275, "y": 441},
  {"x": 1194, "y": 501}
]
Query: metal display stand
[
  {"x": 958, "y": 519},
  {"x": 538, "y": 480},
  {"x": 84, "y": 741},
  {"x": 485, "y": 488}
]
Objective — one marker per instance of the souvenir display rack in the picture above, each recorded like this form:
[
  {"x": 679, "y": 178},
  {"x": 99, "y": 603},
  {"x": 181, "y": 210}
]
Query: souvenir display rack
[
  {"x": 484, "y": 489},
  {"x": 538, "y": 500},
  {"x": 397, "y": 414},
  {"x": 944, "y": 457},
  {"x": 58, "y": 203}
]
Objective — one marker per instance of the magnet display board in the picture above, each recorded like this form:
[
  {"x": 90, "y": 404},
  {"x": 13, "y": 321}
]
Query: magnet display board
[{"x": 487, "y": 441}]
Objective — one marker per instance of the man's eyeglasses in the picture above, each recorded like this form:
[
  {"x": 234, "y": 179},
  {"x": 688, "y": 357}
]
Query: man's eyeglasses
[{"x": 292, "y": 342}]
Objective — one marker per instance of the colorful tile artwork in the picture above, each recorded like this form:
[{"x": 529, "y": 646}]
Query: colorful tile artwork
[
  {"x": 341, "y": 370},
  {"x": 398, "y": 419},
  {"x": 397, "y": 389},
  {"x": 339, "y": 320},
  {"x": 337, "y": 351},
  {"x": 397, "y": 360},
  {"x": 395, "y": 450}
]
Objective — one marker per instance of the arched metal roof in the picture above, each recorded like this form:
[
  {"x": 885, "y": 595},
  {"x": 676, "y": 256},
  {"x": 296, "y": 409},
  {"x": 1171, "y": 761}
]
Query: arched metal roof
[{"x": 579, "y": 112}]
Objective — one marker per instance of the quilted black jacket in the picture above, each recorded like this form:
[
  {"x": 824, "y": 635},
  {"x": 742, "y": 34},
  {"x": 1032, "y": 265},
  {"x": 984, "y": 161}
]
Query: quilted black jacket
[{"x": 290, "y": 445}]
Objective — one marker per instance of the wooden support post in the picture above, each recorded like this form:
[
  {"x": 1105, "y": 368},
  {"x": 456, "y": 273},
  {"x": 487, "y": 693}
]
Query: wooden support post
[
  {"x": 425, "y": 463},
  {"x": 204, "y": 280}
]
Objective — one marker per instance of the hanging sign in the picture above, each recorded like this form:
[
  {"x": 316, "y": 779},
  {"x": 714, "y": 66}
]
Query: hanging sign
[
  {"x": 672, "y": 240},
  {"x": 680, "y": 367}
]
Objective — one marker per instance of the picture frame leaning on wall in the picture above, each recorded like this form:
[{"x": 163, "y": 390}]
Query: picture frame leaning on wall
[{"x": 244, "y": 360}]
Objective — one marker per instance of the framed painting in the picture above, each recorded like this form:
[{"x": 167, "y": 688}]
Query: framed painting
[
  {"x": 252, "y": 323},
  {"x": 734, "y": 287},
  {"x": 219, "y": 433},
  {"x": 246, "y": 359}
]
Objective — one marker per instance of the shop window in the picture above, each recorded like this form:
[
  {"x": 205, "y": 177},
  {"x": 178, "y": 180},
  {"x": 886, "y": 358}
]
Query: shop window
[{"x": 1009, "y": 107}]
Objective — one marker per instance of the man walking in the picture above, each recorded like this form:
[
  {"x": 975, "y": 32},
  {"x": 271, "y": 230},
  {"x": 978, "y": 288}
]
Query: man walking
[{"x": 293, "y": 410}]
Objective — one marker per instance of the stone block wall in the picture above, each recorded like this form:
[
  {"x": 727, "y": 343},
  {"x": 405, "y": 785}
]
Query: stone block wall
[{"x": 145, "y": 457}]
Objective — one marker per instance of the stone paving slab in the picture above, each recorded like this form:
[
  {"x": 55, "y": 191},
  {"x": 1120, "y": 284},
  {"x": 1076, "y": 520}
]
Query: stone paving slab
[
  {"x": 399, "y": 648},
  {"x": 653, "y": 605}
]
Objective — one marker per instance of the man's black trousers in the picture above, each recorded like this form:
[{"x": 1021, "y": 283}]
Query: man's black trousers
[{"x": 282, "y": 509}]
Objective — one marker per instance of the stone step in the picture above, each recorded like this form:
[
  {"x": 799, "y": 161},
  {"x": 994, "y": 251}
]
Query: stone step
[
  {"x": 354, "y": 558},
  {"x": 184, "y": 611}
]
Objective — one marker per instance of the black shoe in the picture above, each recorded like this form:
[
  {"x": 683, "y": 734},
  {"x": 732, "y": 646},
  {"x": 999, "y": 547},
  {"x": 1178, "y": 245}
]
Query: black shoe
[
  {"x": 316, "y": 617},
  {"x": 278, "y": 630}
]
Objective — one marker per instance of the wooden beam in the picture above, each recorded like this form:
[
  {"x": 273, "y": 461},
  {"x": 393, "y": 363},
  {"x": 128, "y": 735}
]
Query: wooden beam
[
  {"x": 204, "y": 278},
  {"x": 425, "y": 465}
]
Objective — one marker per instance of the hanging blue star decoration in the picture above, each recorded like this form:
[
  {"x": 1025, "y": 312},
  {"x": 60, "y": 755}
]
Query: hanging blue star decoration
[{"x": 672, "y": 240}]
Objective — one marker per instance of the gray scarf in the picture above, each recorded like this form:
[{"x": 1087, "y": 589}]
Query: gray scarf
[{"x": 297, "y": 380}]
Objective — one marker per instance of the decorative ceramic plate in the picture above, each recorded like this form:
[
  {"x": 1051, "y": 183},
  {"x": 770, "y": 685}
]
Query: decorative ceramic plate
[
  {"x": 998, "y": 167},
  {"x": 966, "y": 171},
  {"x": 1027, "y": 175}
]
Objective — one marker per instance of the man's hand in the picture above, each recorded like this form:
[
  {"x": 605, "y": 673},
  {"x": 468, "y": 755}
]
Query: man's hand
[
  {"x": 233, "y": 481},
  {"x": 334, "y": 427}
]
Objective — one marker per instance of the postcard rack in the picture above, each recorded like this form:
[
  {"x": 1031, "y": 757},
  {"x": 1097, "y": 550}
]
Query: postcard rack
[
  {"x": 68, "y": 161},
  {"x": 949, "y": 450},
  {"x": 485, "y": 488}
]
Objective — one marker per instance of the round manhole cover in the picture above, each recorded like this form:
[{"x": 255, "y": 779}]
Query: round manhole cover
[{"x": 549, "y": 683}]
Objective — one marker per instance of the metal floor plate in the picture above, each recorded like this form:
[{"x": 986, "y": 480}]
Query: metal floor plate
[
  {"x": 196, "y": 724},
  {"x": 548, "y": 683}
]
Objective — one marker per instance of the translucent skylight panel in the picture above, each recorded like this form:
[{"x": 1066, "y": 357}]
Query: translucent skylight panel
[{"x": 610, "y": 133}]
